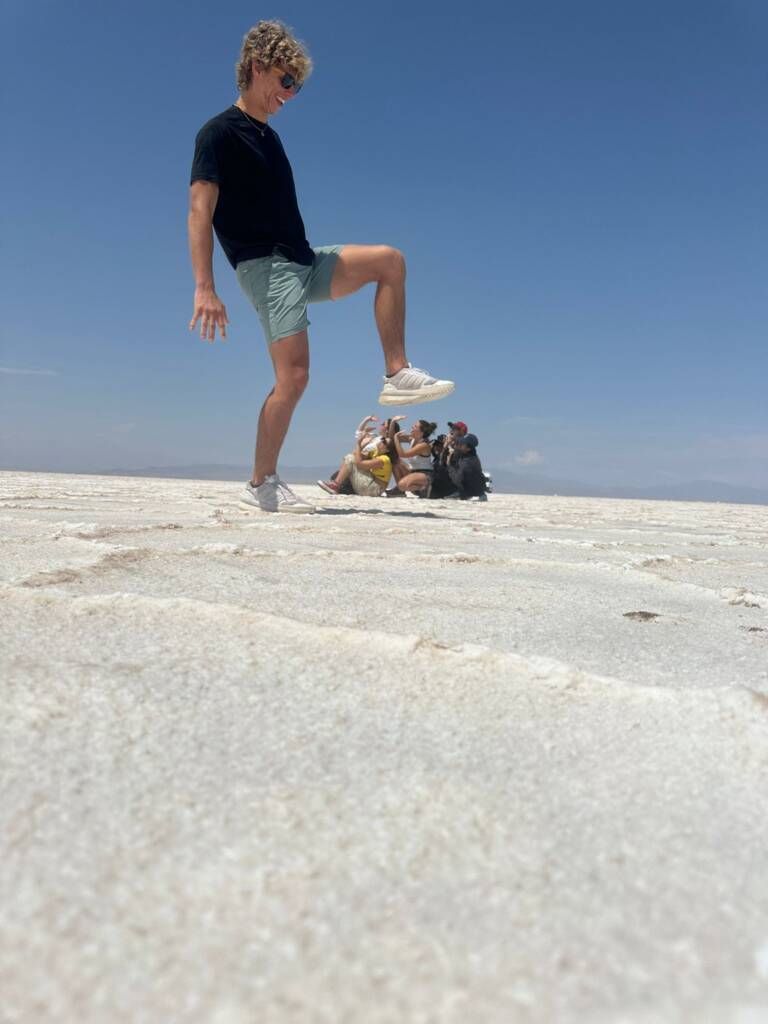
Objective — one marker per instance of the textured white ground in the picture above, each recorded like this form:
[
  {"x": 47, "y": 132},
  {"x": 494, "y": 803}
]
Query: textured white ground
[{"x": 397, "y": 762}]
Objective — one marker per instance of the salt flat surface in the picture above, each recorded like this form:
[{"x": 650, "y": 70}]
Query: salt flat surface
[{"x": 398, "y": 761}]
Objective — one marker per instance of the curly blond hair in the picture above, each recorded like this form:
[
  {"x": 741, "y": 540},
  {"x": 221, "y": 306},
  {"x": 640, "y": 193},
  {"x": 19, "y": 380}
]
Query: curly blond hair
[{"x": 270, "y": 43}]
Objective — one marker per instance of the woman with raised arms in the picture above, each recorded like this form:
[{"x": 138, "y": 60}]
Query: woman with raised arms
[{"x": 417, "y": 458}]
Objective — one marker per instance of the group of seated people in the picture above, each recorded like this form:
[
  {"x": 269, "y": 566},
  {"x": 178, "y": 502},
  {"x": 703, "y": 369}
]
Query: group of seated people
[{"x": 445, "y": 467}]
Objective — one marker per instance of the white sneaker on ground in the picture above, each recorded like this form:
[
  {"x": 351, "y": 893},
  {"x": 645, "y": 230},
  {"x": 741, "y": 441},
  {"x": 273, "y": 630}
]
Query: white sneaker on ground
[
  {"x": 410, "y": 386},
  {"x": 274, "y": 496}
]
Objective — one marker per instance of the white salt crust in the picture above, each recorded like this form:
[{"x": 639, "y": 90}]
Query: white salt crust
[{"x": 416, "y": 761}]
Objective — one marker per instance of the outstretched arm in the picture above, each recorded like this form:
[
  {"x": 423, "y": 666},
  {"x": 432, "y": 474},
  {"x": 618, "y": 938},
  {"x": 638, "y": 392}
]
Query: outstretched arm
[
  {"x": 401, "y": 452},
  {"x": 363, "y": 424},
  {"x": 209, "y": 309},
  {"x": 394, "y": 435},
  {"x": 394, "y": 425},
  {"x": 420, "y": 448}
]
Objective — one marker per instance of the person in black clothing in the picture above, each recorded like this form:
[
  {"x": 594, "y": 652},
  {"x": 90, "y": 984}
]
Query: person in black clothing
[
  {"x": 465, "y": 471},
  {"x": 242, "y": 187},
  {"x": 442, "y": 485}
]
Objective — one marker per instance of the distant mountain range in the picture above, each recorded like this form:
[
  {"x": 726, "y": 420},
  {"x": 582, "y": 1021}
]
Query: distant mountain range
[{"x": 504, "y": 482}]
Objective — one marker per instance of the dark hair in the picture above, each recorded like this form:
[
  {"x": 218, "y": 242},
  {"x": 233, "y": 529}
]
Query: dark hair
[
  {"x": 426, "y": 428},
  {"x": 391, "y": 448}
]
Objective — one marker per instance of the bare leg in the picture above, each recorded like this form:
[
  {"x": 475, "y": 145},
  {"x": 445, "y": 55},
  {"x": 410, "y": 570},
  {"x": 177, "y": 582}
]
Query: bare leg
[
  {"x": 413, "y": 482},
  {"x": 399, "y": 471},
  {"x": 344, "y": 470},
  {"x": 290, "y": 358},
  {"x": 358, "y": 265}
]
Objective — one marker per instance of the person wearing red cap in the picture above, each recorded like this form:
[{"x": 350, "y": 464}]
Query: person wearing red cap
[{"x": 458, "y": 429}]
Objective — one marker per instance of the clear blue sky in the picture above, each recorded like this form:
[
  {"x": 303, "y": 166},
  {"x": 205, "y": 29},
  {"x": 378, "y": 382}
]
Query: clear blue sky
[{"x": 579, "y": 188}]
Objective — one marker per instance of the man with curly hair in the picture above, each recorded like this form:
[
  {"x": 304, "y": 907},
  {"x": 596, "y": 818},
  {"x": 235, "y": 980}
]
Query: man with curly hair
[{"x": 242, "y": 188}]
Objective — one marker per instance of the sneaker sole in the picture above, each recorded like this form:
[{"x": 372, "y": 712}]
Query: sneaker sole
[
  {"x": 426, "y": 394},
  {"x": 281, "y": 508}
]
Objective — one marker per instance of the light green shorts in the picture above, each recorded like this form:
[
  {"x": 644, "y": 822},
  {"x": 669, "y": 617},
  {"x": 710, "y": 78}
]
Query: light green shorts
[{"x": 280, "y": 289}]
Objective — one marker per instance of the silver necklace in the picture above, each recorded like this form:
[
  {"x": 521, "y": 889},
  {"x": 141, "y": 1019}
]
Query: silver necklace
[{"x": 252, "y": 121}]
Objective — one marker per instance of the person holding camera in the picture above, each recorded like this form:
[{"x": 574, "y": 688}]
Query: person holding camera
[
  {"x": 442, "y": 485},
  {"x": 455, "y": 431}
]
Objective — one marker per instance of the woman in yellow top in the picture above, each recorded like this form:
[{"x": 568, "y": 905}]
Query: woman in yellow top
[{"x": 368, "y": 473}]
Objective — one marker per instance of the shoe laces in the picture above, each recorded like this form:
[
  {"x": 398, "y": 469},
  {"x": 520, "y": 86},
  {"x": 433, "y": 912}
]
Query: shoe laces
[
  {"x": 286, "y": 493},
  {"x": 415, "y": 369}
]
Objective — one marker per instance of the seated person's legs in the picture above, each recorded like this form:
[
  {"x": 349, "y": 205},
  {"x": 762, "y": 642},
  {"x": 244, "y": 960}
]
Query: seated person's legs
[
  {"x": 345, "y": 487},
  {"x": 363, "y": 482},
  {"x": 442, "y": 485},
  {"x": 340, "y": 482},
  {"x": 414, "y": 482}
]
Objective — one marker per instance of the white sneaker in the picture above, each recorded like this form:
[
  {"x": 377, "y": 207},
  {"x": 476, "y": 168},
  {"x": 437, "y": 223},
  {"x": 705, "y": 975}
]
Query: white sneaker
[
  {"x": 409, "y": 386},
  {"x": 274, "y": 496}
]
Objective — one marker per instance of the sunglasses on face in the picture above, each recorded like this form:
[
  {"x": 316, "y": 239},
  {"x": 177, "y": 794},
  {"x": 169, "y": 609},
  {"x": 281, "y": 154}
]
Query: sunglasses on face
[{"x": 289, "y": 82}]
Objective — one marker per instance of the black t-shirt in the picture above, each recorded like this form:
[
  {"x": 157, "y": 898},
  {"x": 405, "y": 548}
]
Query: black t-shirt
[{"x": 257, "y": 212}]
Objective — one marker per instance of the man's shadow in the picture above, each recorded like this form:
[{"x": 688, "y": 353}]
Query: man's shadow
[{"x": 392, "y": 513}]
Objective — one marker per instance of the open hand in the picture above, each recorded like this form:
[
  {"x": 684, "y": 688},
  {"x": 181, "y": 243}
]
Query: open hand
[{"x": 211, "y": 312}]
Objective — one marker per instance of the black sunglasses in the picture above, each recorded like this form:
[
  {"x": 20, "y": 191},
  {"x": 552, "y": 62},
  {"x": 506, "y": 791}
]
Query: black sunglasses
[{"x": 289, "y": 82}]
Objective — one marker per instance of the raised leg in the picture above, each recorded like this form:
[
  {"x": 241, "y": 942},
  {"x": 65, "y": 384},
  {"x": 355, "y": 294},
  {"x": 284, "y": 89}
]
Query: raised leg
[{"x": 358, "y": 265}]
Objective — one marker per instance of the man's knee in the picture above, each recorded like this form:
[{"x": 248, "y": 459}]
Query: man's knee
[
  {"x": 393, "y": 262},
  {"x": 292, "y": 382}
]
